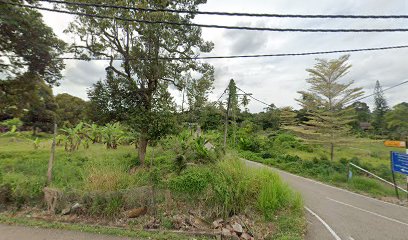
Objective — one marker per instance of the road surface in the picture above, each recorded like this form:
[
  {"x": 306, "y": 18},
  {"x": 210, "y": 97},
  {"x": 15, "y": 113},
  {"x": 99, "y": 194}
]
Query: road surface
[{"x": 334, "y": 213}]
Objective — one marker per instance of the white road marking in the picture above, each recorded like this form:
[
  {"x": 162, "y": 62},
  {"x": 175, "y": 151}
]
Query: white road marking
[
  {"x": 324, "y": 223},
  {"x": 317, "y": 182},
  {"x": 350, "y": 238},
  {"x": 376, "y": 214}
]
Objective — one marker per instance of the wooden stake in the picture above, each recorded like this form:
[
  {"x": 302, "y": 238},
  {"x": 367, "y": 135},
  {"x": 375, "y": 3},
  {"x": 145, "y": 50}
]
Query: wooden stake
[{"x": 52, "y": 157}]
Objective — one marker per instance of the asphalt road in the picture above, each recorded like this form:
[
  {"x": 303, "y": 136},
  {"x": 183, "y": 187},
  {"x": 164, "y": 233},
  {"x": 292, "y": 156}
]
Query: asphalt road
[{"x": 334, "y": 213}]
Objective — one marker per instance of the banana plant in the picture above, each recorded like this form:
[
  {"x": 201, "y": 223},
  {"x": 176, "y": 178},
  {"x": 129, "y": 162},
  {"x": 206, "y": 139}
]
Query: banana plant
[
  {"x": 74, "y": 137},
  {"x": 112, "y": 134},
  {"x": 94, "y": 133}
]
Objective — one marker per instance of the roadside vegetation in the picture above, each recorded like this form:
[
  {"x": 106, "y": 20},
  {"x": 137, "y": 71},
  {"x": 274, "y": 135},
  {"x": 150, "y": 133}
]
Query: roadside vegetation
[
  {"x": 103, "y": 180},
  {"x": 131, "y": 157}
]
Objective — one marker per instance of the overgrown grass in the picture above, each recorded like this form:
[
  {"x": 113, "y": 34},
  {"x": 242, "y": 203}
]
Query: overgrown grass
[
  {"x": 292, "y": 154},
  {"x": 232, "y": 188},
  {"x": 134, "y": 233},
  {"x": 227, "y": 187}
]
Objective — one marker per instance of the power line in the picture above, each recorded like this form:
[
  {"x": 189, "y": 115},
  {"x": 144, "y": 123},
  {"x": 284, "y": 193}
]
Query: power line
[
  {"x": 238, "y": 56},
  {"x": 249, "y": 95},
  {"x": 239, "y": 14},
  {"x": 213, "y": 26},
  {"x": 389, "y": 88}
]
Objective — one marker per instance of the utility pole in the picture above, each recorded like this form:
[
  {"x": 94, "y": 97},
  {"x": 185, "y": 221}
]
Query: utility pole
[{"x": 230, "y": 108}]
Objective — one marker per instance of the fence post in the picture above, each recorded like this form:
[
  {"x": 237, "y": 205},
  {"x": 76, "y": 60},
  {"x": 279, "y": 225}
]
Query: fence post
[{"x": 52, "y": 157}]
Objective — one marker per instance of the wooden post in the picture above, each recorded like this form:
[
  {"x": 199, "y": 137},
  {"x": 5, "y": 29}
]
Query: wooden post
[
  {"x": 52, "y": 157},
  {"x": 331, "y": 151}
]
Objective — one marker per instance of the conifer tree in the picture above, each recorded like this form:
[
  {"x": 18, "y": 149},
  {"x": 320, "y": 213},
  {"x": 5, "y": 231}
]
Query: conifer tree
[
  {"x": 327, "y": 99},
  {"x": 380, "y": 109}
]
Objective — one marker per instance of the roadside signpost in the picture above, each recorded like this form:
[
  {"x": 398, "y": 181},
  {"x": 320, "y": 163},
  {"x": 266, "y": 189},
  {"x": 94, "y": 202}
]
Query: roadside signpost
[
  {"x": 399, "y": 161},
  {"x": 398, "y": 144}
]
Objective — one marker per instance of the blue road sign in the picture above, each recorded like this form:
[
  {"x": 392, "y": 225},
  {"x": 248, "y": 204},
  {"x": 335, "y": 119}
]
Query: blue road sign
[{"x": 399, "y": 162}]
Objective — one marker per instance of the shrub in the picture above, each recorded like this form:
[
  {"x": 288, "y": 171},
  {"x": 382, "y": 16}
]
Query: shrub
[
  {"x": 11, "y": 123},
  {"x": 24, "y": 188},
  {"x": 192, "y": 181},
  {"x": 235, "y": 188}
]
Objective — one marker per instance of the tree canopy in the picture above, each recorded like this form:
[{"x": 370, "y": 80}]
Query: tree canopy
[
  {"x": 327, "y": 98},
  {"x": 143, "y": 49},
  {"x": 28, "y": 45}
]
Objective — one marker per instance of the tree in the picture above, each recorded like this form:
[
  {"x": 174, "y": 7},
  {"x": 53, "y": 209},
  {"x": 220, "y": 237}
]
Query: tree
[
  {"x": 28, "y": 45},
  {"x": 397, "y": 121},
  {"x": 287, "y": 116},
  {"x": 16, "y": 95},
  {"x": 144, "y": 49},
  {"x": 41, "y": 110},
  {"x": 380, "y": 109},
  {"x": 71, "y": 110},
  {"x": 327, "y": 98},
  {"x": 362, "y": 114},
  {"x": 269, "y": 119},
  {"x": 197, "y": 94}
]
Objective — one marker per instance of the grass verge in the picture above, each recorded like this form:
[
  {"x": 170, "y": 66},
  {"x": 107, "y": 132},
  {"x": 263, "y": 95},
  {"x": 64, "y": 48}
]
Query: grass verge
[{"x": 94, "y": 229}]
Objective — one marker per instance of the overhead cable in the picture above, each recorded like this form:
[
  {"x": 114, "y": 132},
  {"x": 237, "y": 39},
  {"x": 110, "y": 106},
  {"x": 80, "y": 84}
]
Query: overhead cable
[
  {"x": 210, "y": 25},
  {"x": 237, "y": 56},
  {"x": 233, "y": 14}
]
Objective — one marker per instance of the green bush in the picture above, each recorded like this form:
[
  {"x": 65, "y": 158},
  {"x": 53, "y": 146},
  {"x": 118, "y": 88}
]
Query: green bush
[
  {"x": 10, "y": 123},
  {"x": 192, "y": 181},
  {"x": 24, "y": 188}
]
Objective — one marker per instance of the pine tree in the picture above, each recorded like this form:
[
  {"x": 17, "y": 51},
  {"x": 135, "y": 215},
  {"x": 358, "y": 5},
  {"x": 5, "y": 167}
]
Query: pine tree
[
  {"x": 327, "y": 98},
  {"x": 380, "y": 109}
]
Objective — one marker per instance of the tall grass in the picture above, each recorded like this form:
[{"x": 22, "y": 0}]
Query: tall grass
[{"x": 231, "y": 188}]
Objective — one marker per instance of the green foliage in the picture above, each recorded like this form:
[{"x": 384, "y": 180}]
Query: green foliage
[
  {"x": 112, "y": 134},
  {"x": 25, "y": 189},
  {"x": 180, "y": 164},
  {"x": 230, "y": 187},
  {"x": 71, "y": 110},
  {"x": 40, "y": 112},
  {"x": 202, "y": 154},
  {"x": 397, "y": 122},
  {"x": 284, "y": 152},
  {"x": 11, "y": 124},
  {"x": 193, "y": 181},
  {"x": 327, "y": 98},
  {"x": 104, "y": 204},
  {"x": 73, "y": 137},
  {"x": 23, "y": 33},
  {"x": 380, "y": 109}
]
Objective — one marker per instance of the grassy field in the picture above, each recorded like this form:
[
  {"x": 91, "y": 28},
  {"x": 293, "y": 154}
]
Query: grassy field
[
  {"x": 224, "y": 187},
  {"x": 300, "y": 151},
  {"x": 369, "y": 151}
]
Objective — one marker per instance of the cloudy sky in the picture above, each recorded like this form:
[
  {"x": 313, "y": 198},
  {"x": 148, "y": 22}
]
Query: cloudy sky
[{"x": 277, "y": 80}]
